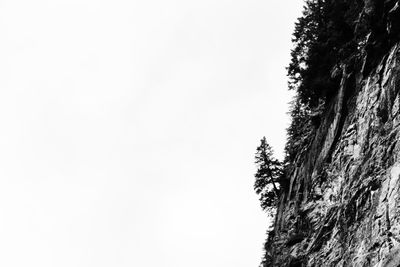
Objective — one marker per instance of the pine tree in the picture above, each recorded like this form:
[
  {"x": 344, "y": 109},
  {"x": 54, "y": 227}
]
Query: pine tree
[{"x": 268, "y": 175}]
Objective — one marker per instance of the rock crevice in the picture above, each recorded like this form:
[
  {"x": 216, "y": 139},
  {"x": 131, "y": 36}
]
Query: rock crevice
[{"x": 341, "y": 207}]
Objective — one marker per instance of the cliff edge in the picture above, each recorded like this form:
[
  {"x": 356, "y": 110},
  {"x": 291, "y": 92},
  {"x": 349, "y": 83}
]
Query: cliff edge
[{"x": 341, "y": 205}]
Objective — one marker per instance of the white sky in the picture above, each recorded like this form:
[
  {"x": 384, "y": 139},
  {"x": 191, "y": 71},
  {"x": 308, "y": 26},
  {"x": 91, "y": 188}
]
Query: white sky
[{"x": 128, "y": 129}]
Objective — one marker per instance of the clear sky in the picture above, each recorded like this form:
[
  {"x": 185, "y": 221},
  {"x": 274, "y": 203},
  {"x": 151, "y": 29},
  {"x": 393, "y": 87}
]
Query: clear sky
[{"x": 128, "y": 129}]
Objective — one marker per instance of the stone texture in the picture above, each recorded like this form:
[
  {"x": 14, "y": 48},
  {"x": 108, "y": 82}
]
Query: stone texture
[{"x": 343, "y": 205}]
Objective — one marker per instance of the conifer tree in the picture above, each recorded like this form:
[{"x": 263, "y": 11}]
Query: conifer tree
[{"x": 268, "y": 175}]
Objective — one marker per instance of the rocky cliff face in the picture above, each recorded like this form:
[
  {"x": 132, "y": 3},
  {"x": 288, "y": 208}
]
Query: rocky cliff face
[{"x": 342, "y": 206}]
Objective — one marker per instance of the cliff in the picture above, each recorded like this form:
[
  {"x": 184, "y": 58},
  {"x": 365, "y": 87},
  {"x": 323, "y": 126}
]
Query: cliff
[{"x": 342, "y": 202}]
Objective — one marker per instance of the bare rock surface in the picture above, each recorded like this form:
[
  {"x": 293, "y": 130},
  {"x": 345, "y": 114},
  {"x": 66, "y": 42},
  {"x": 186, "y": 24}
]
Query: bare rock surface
[{"x": 343, "y": 205}]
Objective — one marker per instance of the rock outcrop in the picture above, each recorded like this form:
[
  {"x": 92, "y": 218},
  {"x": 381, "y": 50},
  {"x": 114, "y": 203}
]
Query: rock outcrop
[{"x": 342, "y": 206}]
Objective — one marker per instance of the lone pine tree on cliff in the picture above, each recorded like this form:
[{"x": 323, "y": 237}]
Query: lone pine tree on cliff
[{"x": 268, "y": 175}]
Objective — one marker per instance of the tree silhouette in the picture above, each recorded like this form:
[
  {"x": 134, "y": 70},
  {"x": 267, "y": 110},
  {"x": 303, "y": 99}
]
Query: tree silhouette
[{"x": 268, "y": 175}]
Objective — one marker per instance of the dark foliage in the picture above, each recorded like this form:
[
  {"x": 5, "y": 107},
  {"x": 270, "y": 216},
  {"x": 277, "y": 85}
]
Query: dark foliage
[
  {"x": 323, "y": 38},
  {"x": 268, "y": 176}
]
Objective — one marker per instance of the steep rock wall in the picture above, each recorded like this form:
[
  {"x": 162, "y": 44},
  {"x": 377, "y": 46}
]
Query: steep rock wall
[{"x": 343, "y": 203}]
